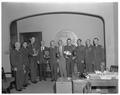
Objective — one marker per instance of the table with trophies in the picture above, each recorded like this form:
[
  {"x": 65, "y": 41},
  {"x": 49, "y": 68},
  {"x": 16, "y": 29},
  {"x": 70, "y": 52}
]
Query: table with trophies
[
  {"x": 98, "y": 82},
  {"x": 102, "y": 81}
]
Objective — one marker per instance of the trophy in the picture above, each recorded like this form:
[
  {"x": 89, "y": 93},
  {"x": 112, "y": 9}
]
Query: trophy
[
  {"x": 35, "y": 52},
  {"x": 67, "y": 54},
  {"x": 46, "y": 55}
]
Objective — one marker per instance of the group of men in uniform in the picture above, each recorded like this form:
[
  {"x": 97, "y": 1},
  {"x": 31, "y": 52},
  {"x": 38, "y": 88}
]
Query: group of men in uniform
[{"x": 29, "y": 61}]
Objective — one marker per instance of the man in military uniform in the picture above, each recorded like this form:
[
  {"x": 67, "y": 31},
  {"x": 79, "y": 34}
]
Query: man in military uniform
[
  {"x": 33, "y": 52},
  {"x": 98, "y": 54},
  {"x": 53, "y": 60},
  {"x": 89, "y": 56},
  {"x": 17, "y": 63},
  {"x": 80, "y": 56},
  {"x": 68, "y": 52},
  {"x": 25, "y": 53},
  {"x": 42, "y": 61}
]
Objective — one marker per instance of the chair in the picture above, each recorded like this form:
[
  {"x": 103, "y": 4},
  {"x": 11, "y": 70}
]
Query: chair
[
  {"x": 6, "y": 82},
  {"x": 87, "y": 88},
  {"x": 114, "y": 68}
]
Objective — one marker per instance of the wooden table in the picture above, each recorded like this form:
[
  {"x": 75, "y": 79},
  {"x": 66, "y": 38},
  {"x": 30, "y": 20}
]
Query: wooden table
[
  {"x": 110, "y": 85},
  {"x": 107, "y": 81},
  {"x": 103, "y": 82}
]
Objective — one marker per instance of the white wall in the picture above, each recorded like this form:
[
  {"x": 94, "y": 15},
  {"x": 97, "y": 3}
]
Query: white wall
[
  {"x": 11, "y": 11},
  {"x": 84, "y": 27}
]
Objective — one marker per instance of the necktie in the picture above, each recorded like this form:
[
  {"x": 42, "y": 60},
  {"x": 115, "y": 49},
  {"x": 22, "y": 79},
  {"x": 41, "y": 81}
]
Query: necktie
[
  {"x": 60, "y": 50},
  {"x": 42, "y": 48}
]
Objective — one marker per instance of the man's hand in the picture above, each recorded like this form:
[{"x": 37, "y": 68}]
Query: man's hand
[
  {"x": 82, "y": 61},
  {"x": 38, "y": 62},
  {"x": 15, "y": 69},
  {"x": 57, "y": 60},
  {"x": 23, "y": 66},
  {"x": 73, "y": 58},
  {"x": 24, "y": 71},
  {"x": 66, "y": 56},
  {"x": 35, "y": 54}
]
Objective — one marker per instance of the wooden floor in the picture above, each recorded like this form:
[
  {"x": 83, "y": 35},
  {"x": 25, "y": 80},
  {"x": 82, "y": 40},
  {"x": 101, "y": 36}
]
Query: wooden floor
[
  {"x": 48, "y": 87},
  {"x": 39, "y": 87}
]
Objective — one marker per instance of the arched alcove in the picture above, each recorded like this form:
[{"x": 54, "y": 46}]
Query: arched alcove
[{"x": 82, "y": 25}]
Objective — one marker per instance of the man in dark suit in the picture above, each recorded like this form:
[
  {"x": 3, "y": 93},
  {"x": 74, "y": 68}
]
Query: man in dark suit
[
  {"x": 53, "y": 60},
  {"x": 68, "y": 51},
  {"x": 17, "y": 63},
  {"x": 80, "y": 56},
  {"x": 33, "y": 52},
  {"x": 42, "y": 61},
  {"x": 98, "y": 54},
  {"x": 25, "y": 53}
]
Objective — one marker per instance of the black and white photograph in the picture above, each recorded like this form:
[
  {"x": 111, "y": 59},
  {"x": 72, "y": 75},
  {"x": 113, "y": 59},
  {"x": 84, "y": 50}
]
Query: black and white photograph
[{"x": 65, "y": 48}]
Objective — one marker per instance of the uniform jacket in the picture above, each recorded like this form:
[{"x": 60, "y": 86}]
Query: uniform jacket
[
  {"x": 69, "y": 48},
  {"x": 80, "y": 53},
  {"x": 25, "y": 53},
  {"x": 98, "y": 56},
  {"x": 53, "y": 54},
  {"x": 31, "y": 47},
  {"x": 41, "y": 54},
  {"x": 17, "y": 59}
]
